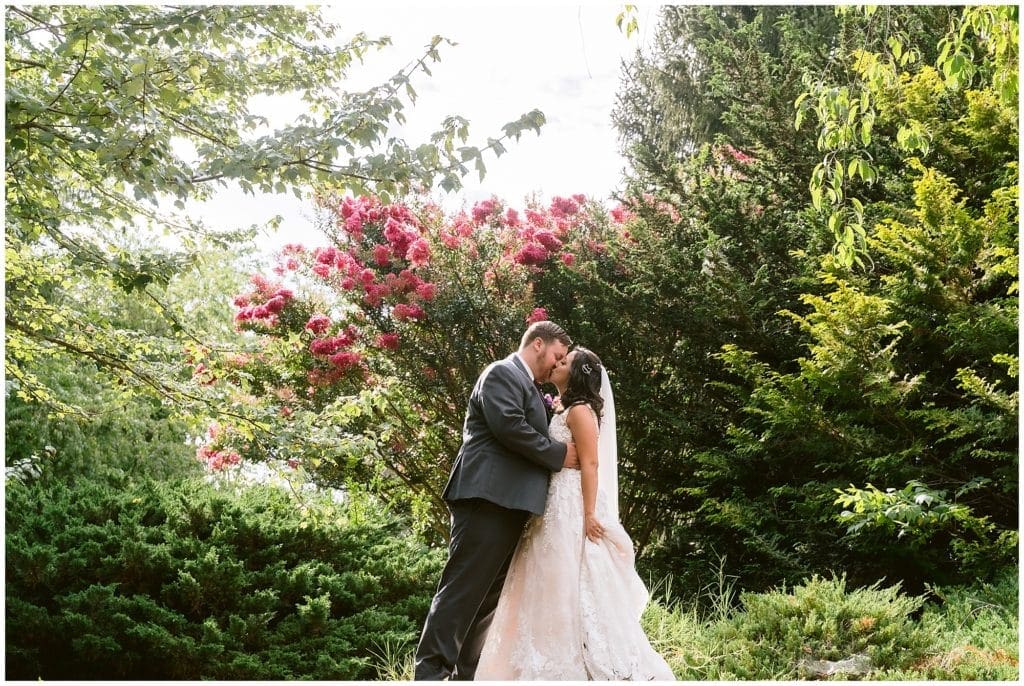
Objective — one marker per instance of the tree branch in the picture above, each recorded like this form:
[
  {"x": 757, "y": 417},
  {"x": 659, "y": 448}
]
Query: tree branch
[{"x": 111, "y": 362}]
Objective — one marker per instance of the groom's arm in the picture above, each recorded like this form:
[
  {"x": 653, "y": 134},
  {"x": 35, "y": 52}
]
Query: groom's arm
[{"x": 501, "y": 401}]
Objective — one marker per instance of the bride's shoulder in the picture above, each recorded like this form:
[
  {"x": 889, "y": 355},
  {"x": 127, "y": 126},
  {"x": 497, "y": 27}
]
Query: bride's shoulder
[{"x": 579, "y": 409}]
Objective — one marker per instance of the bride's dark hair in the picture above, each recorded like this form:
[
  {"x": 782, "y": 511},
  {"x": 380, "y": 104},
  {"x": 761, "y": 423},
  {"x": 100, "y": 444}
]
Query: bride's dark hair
[{"x": 584, "y": 385}]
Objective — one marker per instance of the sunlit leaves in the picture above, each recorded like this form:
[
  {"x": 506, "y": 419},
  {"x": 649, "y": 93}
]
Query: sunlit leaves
[
  {"x": 626, "y": 20},
  {"x": 100, "y": 100},
  {"x": 887, "y": 86}
]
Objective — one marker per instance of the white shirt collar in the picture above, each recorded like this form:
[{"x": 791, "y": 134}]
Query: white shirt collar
[{"x": 528, "y": 370}]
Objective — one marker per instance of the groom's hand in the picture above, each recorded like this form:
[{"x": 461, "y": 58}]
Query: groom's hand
[{"x": 571, "y": 460}]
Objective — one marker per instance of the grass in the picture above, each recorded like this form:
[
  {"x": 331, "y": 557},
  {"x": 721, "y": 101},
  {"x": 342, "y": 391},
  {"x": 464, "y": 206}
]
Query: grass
[{"x": 956, "y": 634}]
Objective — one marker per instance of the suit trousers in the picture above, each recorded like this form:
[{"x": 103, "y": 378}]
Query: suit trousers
[{"x": 484, "y": 536}]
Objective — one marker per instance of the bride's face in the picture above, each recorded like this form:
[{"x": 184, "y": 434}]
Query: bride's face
[{"x": 560, "y": 374}]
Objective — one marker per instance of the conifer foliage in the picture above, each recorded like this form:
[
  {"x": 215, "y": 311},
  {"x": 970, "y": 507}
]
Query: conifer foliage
[{"x": 180, "y": 581}]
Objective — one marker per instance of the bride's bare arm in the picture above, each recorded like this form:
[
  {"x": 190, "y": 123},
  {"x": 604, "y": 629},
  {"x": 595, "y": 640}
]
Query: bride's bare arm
[{"x": 580, "y": 421}]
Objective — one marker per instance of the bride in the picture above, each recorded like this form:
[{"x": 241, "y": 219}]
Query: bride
[{"x": 571, "y": 604}]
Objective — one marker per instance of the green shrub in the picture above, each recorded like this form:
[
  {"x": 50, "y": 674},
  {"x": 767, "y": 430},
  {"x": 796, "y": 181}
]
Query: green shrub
[
  {"x": 182, "y": 581},
  {"x": 818, "y": 620},
  {"x": 977, "y": 633}
]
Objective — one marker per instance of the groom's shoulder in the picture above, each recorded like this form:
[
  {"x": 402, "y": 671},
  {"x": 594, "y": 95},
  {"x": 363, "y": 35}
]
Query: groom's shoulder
[{"x": 505, "y": 367}]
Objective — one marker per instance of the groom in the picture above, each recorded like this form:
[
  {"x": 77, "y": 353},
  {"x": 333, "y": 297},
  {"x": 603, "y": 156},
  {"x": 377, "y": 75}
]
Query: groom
[{"x": 500, "y": 477}]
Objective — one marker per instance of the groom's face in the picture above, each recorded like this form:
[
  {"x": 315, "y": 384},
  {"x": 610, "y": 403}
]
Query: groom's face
[{"x": 550, "y": 355}]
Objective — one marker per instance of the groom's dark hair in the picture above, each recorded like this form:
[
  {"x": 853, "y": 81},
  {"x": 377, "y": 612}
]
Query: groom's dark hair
[{"x": 547, "y": 332}]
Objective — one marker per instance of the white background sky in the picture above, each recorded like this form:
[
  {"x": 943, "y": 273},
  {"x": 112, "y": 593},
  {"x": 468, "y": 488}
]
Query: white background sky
[{"x": 561, "y": 58}]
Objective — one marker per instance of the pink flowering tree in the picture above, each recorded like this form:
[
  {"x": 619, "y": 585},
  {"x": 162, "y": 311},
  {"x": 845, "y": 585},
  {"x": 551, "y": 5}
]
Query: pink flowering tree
[{"x": 364, "y": 349}]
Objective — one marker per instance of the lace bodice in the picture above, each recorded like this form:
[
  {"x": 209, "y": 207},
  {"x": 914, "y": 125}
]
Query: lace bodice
[
  {"x": 559, "y": 430},
  {"x": 565, "y": 494}
]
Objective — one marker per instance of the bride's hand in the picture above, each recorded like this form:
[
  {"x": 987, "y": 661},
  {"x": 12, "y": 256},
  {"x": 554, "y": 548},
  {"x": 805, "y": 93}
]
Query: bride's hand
[{"x": 593, "y": 528}]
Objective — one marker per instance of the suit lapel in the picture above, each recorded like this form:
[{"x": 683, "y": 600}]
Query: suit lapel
[{"x": 521, "y": 367}]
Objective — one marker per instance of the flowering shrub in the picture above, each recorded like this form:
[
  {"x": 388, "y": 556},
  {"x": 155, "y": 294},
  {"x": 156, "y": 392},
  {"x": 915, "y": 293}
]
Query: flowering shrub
[{"x": 380, "y": 333}]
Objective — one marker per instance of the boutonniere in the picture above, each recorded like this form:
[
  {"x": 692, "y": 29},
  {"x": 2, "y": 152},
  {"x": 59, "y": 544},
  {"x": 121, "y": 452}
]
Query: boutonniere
[{"x": 553, "y": 404}]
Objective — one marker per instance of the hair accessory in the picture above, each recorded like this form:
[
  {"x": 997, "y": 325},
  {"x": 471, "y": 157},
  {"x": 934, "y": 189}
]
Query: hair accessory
[{"x": 587, "y": 369}]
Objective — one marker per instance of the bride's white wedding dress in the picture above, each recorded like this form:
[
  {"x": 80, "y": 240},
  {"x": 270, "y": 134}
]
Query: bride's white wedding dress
[{"x": 570, "y": 608}]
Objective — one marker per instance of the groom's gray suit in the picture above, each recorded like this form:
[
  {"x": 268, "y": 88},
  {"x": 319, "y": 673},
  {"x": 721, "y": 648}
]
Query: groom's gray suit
[{"x": 500, "y": 476}]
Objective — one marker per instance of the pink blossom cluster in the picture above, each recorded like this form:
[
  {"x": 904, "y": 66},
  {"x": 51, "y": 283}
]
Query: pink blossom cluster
[
  {"x": 217, "y": 460},
  {"x": 486, "y": 210},
  {"x": 290, "y": 258},
  {"x": 539, "y": 314},
  {"x": 386, "y": 246},
  {"x": 340, "y": 363},
  {"x": 388, "y": 341},
  {"x": 649, "y": 201},
  {"x": 543, "y": 235},
  {"x": 318, "y": 324},
  {"x": 263, "y": 305},
  {"x": 336, "y": 349},
  {"x": 403, "y": 312},
  {"x": 460, "y": 229},
  {"x": 566, "y": 207},
  {"x": 622, "y": 214}
]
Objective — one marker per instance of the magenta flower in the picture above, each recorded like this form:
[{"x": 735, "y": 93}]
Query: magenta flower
[
  {"x": 329, "y": 346},
  {"x": 345, "y": 360},
  {"x": 275, "y": 304},
  {"x": 621, "y": 214},
  {"x": 419, "y": 253},
  {"x": 462, "y": 225},
  {"x": 427, "y": 291},
  {"x": 388, "y": 341},
  {"x": 535, "y": 217},
  {"x": 531, "y": 253},
  {"x": 261, "y": 283},
  {"x": 397, "y": 236},
  {"x": 737, "y": 155},
  {"x": 382, "y": 255},
  {"x": 548, "y": 240},
  {"x": 318, "y": 323},
  {"x": 325, "y": 255},
  {"x": 375, "y": 294},
  {"x": 564, "y": 207},
  {"x": 354, "y": 225},
  {"x": 484, "y": 209},
  {"x": 402, "y": 312},
  {"x": 568, "y": 259},
  {"x": 539, "y": 314}
]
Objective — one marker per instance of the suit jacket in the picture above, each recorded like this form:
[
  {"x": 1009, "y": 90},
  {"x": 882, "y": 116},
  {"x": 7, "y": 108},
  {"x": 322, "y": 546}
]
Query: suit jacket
[{"x": 506, "y": 456}]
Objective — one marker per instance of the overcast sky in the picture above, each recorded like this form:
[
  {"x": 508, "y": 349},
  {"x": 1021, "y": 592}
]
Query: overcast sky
[{"x": 561, "y": 58}]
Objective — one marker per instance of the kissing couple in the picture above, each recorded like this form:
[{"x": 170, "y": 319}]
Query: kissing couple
[{"x": 540, "y": 582}]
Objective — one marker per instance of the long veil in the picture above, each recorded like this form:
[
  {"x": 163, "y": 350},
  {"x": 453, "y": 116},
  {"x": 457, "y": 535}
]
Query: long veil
[{"x": 607, "y": 448}]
